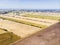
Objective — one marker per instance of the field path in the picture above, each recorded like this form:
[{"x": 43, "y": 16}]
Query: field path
[{"x": 48, "y": 36}]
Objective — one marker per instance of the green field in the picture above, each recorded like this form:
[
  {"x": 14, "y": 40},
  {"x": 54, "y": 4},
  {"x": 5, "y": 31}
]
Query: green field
[
  {"x": 8, "y": 38},
  {"x": 42, "y": 17},
  {"x": 25, "y": 22}
]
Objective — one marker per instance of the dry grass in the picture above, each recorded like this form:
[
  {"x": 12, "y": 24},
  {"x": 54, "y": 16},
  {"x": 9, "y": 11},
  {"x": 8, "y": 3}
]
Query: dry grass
[{"x": 8, "y": 38}]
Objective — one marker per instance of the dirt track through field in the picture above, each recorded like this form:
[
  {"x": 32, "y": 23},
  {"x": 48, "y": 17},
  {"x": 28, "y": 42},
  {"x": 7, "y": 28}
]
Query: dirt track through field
[{"x": 48, "y": 36}]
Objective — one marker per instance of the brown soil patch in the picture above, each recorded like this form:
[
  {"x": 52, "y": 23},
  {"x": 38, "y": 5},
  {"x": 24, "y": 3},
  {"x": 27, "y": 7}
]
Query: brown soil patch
[{"x": 48, "y": 36}]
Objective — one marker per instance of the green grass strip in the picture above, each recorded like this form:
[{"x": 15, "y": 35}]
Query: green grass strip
[{"x": 43, "y": 17}]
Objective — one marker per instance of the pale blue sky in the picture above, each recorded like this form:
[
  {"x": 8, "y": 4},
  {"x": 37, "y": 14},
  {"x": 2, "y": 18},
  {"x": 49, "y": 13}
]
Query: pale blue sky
[{"x": 30, "y": 4}]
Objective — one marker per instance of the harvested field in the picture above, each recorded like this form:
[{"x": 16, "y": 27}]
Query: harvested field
[
  {"x": 23, "y": 27},
  {"x": 31, "y": 21},
  {"x": 48, "y": 36},
  {"x": 18, "y": 28},
  {"x": 27, "y": 22}
]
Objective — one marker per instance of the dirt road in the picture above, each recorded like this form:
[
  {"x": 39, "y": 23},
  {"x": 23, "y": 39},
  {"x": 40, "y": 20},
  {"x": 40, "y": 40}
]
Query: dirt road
[{"x": 48, "y": 36}]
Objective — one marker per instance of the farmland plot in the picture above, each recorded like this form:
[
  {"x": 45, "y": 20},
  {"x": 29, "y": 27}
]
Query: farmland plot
[
  {"x": 7, "y": 37},
  {"x": 18, "y": 29}
]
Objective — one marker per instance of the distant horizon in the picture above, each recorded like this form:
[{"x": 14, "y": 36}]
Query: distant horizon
[
  {"x": 29, "y": 4},
  {"x": 29, "y": 9}
]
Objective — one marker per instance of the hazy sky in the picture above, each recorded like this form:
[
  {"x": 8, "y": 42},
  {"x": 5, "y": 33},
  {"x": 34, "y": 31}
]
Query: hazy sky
[{"x": 30, "y": 4}]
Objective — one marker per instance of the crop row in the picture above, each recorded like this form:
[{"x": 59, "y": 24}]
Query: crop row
[
  {"x": 43, "y": 17},
  {"x": 25, "y": 22}
]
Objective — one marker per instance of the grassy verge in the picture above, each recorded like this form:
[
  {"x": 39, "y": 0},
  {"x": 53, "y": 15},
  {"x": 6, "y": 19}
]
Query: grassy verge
[
  {"x": 43, "y": 17},
  {"x": 8, "y": 38},
  {"x": 25, "y": 22}
]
